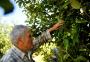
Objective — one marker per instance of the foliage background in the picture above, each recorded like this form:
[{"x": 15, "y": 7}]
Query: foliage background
[
  {"x": 5, "y": 43},
  {"x": 72, "y": 40}
]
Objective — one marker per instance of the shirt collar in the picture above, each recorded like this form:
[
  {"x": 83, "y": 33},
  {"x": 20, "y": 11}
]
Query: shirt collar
[{"x": 19, "y": 52}]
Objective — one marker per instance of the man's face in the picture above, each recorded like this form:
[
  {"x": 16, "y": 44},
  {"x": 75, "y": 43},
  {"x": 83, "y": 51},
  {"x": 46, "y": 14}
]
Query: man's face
[
  {"x": 25, "y": 43},
  {"x": 28, "y": 41}
]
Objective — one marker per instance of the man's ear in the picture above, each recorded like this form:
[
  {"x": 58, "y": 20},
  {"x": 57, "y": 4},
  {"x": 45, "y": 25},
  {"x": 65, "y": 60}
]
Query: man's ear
[{"x": 20, "y": 41}]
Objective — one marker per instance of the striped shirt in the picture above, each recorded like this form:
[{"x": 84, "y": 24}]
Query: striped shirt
[{"x": 16, "y": 55}]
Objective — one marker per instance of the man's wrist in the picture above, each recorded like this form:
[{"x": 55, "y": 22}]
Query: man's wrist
[{"x": 50, "y": 30}]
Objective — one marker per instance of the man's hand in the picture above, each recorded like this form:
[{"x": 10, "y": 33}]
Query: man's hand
[{"x": 56, "y": 26}]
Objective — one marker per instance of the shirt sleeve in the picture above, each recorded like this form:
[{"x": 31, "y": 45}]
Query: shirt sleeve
[{"x": 44, "y": 37}]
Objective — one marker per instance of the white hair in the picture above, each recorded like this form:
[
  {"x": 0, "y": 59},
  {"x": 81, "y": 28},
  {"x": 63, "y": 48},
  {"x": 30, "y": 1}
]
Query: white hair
[{"x": 18, "y": 30}]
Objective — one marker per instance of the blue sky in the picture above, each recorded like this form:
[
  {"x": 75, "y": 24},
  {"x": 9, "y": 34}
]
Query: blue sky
[{"x": 16, "y": 17}]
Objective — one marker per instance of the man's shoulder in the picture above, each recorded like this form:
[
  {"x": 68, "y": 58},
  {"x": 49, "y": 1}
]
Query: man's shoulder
[{"x": 8, "y": 57}]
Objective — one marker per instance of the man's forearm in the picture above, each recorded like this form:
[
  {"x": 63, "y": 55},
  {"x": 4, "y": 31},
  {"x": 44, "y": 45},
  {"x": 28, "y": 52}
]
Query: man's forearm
[
  {"x": 44, "y": 37},
  {"x": 56, "y": 26}
]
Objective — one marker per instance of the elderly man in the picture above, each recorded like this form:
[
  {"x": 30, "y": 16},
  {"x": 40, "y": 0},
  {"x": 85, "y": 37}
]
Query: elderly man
[{"x": 24, "y": 44}]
